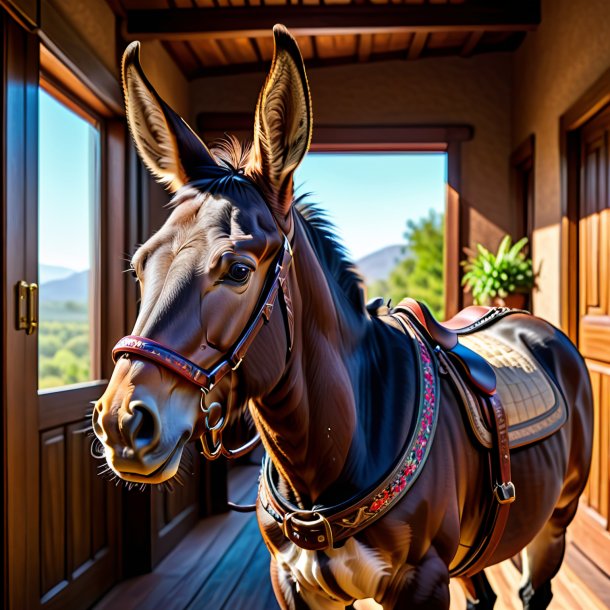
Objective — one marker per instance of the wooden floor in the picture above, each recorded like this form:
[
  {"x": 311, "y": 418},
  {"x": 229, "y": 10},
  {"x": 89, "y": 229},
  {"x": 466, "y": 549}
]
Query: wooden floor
[{"x": 223, "y": 565}]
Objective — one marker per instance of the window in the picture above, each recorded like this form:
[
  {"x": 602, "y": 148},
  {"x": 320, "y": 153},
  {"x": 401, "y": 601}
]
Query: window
[
  {"x": 388, "y": 210},
  {"x": 68, "y": 186}
]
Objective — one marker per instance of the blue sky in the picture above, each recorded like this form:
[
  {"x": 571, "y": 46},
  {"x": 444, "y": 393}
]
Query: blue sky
[
  {"x": 67, "y": 145},
  {"x": 369, "y": 197}
]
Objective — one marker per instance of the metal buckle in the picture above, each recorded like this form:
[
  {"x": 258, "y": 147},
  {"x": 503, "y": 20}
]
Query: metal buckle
[
  {"x": 505, "y": 493},
  {"x": 300, "y": 526}
]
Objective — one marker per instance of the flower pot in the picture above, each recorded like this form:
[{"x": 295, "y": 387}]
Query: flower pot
[{"x": 517, "y": 300}]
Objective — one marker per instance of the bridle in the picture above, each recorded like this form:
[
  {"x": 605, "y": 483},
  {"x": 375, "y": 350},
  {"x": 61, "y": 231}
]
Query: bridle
[{"x": 217, "y": 415}]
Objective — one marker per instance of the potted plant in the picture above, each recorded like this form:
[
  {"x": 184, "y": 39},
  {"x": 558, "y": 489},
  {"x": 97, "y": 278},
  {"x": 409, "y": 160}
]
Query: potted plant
[{"x": 503, "y": 279}]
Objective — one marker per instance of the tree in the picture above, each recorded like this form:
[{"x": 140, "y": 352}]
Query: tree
[{"x": 420, "y": 274}]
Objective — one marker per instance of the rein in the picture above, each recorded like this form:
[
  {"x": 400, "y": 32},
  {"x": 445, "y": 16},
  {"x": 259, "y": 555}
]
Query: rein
[{"x": 217, "y": 415}]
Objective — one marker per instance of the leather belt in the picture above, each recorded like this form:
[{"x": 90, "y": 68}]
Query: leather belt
[{"x": 503, "y": 490}]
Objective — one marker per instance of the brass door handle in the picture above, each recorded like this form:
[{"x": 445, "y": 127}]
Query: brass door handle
[
  {"x": 27, "y": 307},
  {"x": 32, "y": 309}
]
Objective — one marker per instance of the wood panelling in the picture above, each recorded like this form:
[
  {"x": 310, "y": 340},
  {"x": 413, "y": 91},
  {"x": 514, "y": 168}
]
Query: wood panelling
[
  {"x": 20, "y": 439},
  {"x": 80, "y": 517},
  {"x": 598, "y": 487},
  {"x": 101, "y": 501},
  {"x": 592, "y": 168},
  {"x": 594, "y": 336},
  {"x": 234, "y": 36},
  {"x": 78, "y": 531},
  {"x": 176, "y": 511},
  {"x": 53, "y": 547},
  {"x": 594, "y": 239},
  {"x": 70, "y": 404}
]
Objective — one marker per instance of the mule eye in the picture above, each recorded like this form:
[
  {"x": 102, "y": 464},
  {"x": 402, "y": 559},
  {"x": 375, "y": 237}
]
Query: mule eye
[
  {"x": 132, "y": 270},
  {"x": 239, "y": 273}
]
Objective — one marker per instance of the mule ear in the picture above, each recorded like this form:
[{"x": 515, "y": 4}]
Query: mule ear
[
  {"x": 170, "y": 149},
  {"x": 283, "y": 121}
]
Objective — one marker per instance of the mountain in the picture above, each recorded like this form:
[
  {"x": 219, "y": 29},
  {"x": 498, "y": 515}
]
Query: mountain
[
  {"x": 379, "y": 264},
  {"x": 49, "y": 273},
  {"x": 75, "y": 287}
]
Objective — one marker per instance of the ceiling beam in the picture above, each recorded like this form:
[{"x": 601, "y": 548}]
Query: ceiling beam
[
  {"x": 330, "y": 19},
  {"x": 327, "y": 62},
  {"x": 471, "y": 43},
  {"x": 417, "y": 45}
]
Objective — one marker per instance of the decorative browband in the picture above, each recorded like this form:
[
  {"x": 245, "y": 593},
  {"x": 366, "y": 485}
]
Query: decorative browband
[
  {"x": 151, "y": 350},
  {"x": 320, "y": 527},
  {"x": 207, "y": 378}
]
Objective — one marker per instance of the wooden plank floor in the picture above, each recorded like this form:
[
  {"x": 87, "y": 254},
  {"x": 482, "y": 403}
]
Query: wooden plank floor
[{"x": 223, "y": 565}]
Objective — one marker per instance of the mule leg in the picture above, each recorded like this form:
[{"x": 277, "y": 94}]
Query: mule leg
[
  {"x": 424, "y": 587},
  {"x": 543, "y": 557},
  {"x": 479, "y": 594},
  {"x": 285, "y": 589},
  {"x": 289, "y": 598}
]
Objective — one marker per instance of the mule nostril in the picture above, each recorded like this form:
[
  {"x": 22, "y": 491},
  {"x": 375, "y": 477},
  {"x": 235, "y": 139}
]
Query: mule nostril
[
  {"x": 146, "y": 429},
  {"x": 141, "y": 427},
  {"x": 97, "y": 428}
]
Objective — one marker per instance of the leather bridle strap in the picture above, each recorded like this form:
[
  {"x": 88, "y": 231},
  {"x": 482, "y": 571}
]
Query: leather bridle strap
[{"x": 203, "y": 378}]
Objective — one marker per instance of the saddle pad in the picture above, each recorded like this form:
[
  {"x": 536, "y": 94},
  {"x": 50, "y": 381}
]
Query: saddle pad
[{"x": 534, "y": 408}]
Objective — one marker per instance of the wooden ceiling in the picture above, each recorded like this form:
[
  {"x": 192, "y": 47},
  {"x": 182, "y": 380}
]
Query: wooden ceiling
[{"x": 212, "y": 37}]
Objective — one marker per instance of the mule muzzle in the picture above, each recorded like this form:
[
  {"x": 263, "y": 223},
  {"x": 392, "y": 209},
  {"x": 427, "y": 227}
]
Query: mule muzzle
[{"x": 133, "y": 443}]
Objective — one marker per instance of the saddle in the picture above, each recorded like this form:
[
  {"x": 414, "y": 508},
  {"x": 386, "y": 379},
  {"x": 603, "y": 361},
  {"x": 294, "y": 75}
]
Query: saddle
[
  {"x": 508, "y": 398},
  {"x": 483, "y": 364},
  {"x": 474, "y": 372}
]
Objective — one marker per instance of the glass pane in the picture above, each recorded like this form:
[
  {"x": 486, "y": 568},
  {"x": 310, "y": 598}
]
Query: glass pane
[
  {"x": 388, "y": 210},
  {"x": 68, "y": 186}
]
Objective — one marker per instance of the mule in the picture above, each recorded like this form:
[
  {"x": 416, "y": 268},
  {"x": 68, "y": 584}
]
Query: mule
[{"x": 250, "y": 304}]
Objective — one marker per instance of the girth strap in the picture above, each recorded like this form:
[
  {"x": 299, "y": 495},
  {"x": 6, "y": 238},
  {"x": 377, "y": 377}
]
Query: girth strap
[{"x": 502, "y": 488}]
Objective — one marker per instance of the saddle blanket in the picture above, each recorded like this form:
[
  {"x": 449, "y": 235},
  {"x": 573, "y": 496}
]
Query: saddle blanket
[{"x": 534, "y": 408}]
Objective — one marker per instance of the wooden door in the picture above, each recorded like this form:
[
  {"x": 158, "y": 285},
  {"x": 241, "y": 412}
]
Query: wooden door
[
  {"x": 593, "y": 524},
  {"x": 61, "y": 518}
]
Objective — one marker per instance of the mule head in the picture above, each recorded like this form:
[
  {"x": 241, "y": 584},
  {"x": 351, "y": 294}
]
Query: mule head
[{"x": 203, "y": 274}]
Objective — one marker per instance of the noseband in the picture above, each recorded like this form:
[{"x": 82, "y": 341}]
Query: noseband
[{"x": 205, "y": 379}]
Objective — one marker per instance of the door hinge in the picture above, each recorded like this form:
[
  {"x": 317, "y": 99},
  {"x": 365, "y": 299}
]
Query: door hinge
[{"x": 27, "y": 307}]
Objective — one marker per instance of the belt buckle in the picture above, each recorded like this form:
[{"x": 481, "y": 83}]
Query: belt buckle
[
  {"x": 505, "y": 493},
  {"x": 308, "y": 529}
]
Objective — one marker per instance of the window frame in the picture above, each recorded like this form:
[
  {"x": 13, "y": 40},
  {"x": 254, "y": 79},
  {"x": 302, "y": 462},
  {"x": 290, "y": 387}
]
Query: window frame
[{"x": 56, "y": 78}]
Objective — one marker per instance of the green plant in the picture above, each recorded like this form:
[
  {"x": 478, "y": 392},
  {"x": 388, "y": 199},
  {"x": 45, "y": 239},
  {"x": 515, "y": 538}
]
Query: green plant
[
  {"x": 490, "y": 275},
  {"x": 420, "y": 274}
]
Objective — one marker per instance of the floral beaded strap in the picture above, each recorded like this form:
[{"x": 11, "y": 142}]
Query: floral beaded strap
[{"x": 319, "y": 528}]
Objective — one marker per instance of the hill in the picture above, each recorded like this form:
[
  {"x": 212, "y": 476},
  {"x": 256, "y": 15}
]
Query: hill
[
  {"x": 50, "y": 273},
  {"x": 75, "y": 288},
  {"x": 378, "y": 264}
]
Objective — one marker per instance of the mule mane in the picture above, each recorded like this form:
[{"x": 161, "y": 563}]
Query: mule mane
[{"x": 332, "y": 254}]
